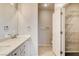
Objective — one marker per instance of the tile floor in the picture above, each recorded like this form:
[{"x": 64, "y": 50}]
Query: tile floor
[{"x": 45, "y": 51}]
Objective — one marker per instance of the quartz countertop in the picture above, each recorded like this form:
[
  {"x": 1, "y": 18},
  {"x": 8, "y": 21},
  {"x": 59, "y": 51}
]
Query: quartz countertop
[{"x": 9, "y": 45}]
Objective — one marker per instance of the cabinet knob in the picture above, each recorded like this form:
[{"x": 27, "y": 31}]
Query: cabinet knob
[{"x": 15, "y": 53}]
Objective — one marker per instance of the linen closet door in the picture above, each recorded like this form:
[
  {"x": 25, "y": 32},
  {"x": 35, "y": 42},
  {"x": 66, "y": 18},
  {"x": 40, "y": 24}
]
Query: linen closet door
[{"x": 72, "y": 29}]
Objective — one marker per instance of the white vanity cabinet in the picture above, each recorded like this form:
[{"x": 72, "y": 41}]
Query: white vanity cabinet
[
  {"x": 15, "y": 52},
  {"x": 28, "y": 47},
  {"x": 23, "y": 50}
]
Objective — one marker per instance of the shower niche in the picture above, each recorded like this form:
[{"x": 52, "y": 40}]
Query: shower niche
[{"x": 71, "y": 14}]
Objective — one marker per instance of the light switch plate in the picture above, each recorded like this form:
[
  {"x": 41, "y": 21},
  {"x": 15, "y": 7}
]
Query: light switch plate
[{"x": 6, "y": 28}]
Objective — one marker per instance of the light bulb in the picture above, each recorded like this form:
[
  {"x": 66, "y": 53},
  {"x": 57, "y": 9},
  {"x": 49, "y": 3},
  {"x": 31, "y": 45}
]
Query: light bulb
[{"x": 45, "y": 5}]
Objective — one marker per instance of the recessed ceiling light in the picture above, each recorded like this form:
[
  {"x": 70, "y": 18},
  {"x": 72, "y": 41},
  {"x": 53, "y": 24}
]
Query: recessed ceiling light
[{"x": 45, "y": 5}]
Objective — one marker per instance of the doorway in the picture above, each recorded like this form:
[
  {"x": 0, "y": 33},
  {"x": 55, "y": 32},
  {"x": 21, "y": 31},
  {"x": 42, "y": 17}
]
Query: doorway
[{"x": 45, "y": 12}]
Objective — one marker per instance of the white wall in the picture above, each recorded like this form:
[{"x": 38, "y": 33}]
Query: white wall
[
  {"x": 8, "y": 17},
  {"x": 25, "y": 13},
  {"x": 34, "y": 32},
  {"x": 45, "y": 28},
  {"x": 28, "y": 23}
]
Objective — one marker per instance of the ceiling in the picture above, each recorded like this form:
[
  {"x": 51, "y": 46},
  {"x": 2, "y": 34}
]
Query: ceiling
[{"x": 46, "y": 6}]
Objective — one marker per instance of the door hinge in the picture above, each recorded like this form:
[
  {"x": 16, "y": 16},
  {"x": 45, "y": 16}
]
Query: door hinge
[
  {"x": 61, "y": 52},
  {"x": 61, "y": 32},
  {"x": 61, "y": 13}
]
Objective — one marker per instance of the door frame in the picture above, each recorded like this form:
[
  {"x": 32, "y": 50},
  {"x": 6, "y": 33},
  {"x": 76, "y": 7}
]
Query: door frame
[
  {"x": 62, "y": 32},
  {"x": 63, "y": 29}
]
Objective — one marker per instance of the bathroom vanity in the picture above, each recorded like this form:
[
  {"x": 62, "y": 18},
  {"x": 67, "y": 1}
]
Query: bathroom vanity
[
  {"x": 18, "y": 19},
  {"x": 20, "y": 46}
]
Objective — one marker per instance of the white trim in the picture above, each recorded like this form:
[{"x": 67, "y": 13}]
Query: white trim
[{"x": 63, "y": 30}]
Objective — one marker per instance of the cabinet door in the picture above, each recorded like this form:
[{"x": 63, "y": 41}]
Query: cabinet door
[
  {"x": 22, "y": 49},
  {"x": 28, "y": 47},
  {"x": 16, "y": 52}
]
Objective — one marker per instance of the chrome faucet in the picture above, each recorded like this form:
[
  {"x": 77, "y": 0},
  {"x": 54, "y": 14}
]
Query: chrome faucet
[{"x": 12, "y": 36}]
